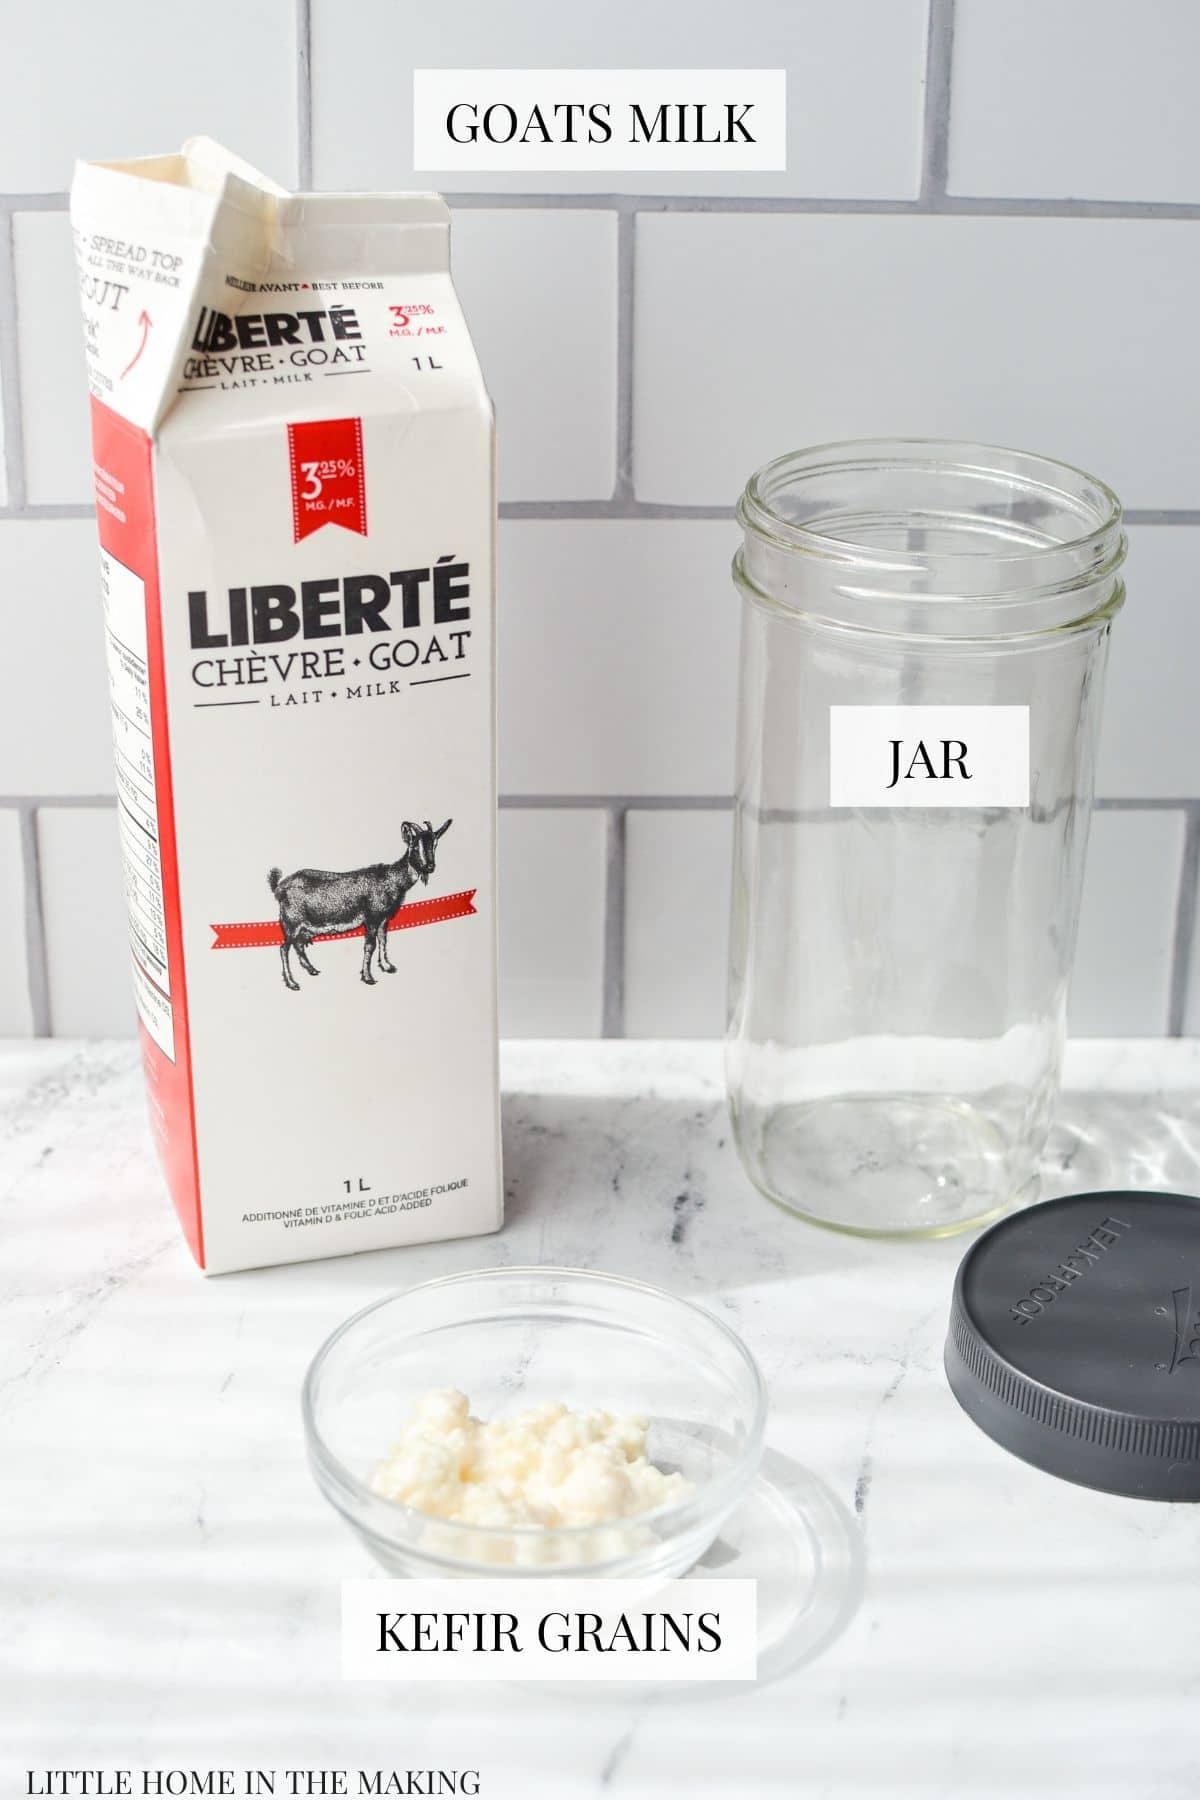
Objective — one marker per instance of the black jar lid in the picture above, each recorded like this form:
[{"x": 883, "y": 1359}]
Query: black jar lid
[{"x": 1074, "y": 1340}]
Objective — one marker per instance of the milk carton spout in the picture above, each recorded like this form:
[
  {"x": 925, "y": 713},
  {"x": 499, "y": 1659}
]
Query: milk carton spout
[{"x": 155, "y": 239}]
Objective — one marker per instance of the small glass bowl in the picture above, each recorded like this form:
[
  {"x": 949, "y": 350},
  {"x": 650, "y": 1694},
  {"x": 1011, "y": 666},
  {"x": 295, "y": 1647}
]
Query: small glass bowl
[{"x": 509, "y": 1338}]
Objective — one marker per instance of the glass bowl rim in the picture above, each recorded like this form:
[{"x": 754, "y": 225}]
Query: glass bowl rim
[{"x": 706, "y": 1497}]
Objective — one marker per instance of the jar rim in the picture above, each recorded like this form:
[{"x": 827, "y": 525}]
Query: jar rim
[{"x": 1077, "y": 491}]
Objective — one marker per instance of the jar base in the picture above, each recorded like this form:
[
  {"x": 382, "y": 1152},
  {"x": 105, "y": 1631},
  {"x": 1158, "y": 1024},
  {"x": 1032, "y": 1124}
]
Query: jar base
[{"x": 896, "y": 1165}]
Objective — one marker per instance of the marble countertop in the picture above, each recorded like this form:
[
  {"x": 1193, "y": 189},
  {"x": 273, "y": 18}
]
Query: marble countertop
[{"x": 169, "y": 1578}]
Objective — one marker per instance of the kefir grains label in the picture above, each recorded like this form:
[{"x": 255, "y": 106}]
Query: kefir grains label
[
  {"x": 577, "y": 1628},
  {"x": 948, "y": 756}
]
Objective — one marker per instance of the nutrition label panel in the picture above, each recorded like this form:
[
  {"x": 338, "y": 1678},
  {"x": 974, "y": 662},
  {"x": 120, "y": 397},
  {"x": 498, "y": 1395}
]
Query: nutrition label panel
[{"x": 129, "y": 688}]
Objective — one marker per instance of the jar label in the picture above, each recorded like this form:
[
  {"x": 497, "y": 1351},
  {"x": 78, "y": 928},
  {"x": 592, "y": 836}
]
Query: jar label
[{"x": 929, "y": 756}]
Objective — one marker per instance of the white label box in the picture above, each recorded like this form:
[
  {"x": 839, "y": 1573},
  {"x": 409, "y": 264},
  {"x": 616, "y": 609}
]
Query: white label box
[
  {"x": 946, "y": 756},
  {"x": 573, "y": 1629},
  {"x": 562, "y": 120}
]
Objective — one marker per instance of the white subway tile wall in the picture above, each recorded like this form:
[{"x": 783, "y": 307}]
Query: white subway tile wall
[
  {"x": 618, "y": 655},
  {"x": 539, "y": 290},
  {"x": 677, "y": 922},
  {"x": 55, "y": 730},
  {"x": 1056, "y": 99},
  {"x": 1150, "y": 740},
  {"x": 83, "y": 918},
  {"x": 1122, "y": 980},
  {"x": 553, "y": 871},
  {"x": 989, "y": 227},
  {"x": 4, "y": 424},
  {"x": 856, "y": 83},
  {"x": 52, "y": 369},
  {"x": 16, "y": 1001},
  {"x": 1076, "y": 336},
  {"x": 1191, "y": 1010},
  {"x": 131, "y": 78}
]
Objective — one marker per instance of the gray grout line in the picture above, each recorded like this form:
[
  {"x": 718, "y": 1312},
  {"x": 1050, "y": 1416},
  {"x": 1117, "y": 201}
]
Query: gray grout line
[
  {"x": 1161, "y": 515},
  {"x": 33, "y": 802},
  {"x": 516, "y": 202},
  {"x": 1184, "y": 942},
  {"x": 11, "y": 203},
  {"x": 951, "y": 205},
  {"x": 603, "y": 802},
  {"x": 563, "y": 509},
  {"x": 551, "y": 802},
  {"x": 304, "y": 93},
  {"x": 800, "y": 206},
  {"x": 618, "y": 508},
  {"x": 956, "y": 205},
  {"x": 1145, "y": 803},
  {"x": 36, "y": 969},
  {"x": 626, "y": 276},
  {"x": 630, "y": 508},
  {"x": 935, "y": 132},
  {"x": 12, "y": 447},
  {"x": 69, "y": 510},
  {"x": 971, "y": 206},
  {"x": 613, "y": 1020},
  {"x": 622, "y": 506},
  {"x": 1189, "y": 804}
]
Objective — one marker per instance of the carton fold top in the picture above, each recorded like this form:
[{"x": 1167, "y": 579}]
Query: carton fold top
[{"x": 205, "y": 282}]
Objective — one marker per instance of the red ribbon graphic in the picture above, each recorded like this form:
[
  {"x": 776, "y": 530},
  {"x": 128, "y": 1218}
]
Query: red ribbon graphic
[
  {"x": 328, "y": 483},
  {"x": 267, "y": 933}
]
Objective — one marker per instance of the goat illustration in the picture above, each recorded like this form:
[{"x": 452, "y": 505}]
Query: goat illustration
[{"x": 313, "y": 902}]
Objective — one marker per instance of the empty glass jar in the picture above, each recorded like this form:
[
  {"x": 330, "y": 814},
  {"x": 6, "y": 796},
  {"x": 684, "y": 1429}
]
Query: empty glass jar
[{"x": 925, "y": 627}]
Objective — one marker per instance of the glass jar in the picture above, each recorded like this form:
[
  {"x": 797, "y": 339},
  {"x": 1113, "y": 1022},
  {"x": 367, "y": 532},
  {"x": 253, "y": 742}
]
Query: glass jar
[{"x": 925, "y": 627}]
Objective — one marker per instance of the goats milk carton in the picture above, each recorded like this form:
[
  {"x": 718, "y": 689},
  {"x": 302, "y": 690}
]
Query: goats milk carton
[{"x": 295, "y": 497}]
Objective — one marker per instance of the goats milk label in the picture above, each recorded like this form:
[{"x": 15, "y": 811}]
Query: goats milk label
[
  {"x": 294, "y": 491},
  {"x": 577, "y": 121},
  {"x": 929, "y": 756}
]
